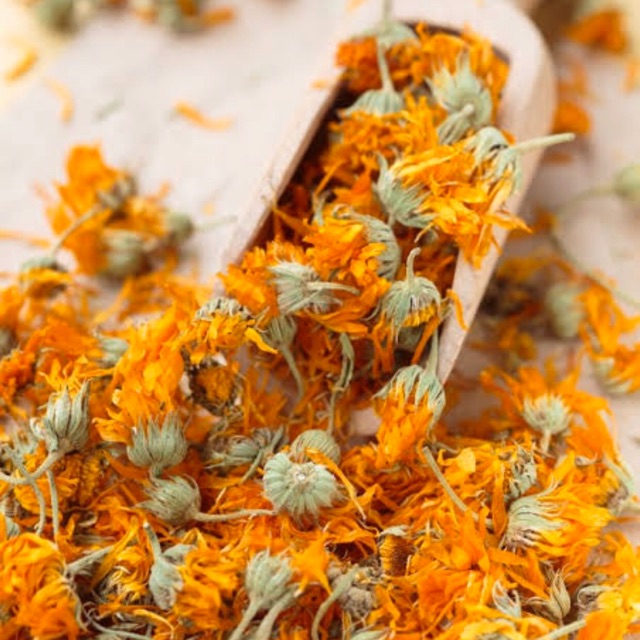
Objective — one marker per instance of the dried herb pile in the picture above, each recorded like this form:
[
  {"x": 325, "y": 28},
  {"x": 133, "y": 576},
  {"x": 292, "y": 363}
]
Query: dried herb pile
[{"x": 181, "y": 465}]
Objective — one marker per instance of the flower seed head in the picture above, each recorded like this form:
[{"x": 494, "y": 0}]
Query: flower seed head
[
  {"x": 179, "y": 228},
  {"x": 506, "y": 602},
  {"x": 378, "y": 231},
  {"x": 564, "y": 310},
  {"x": 528, "y": 517},
  {"x": 464, "y": 97},
  {"x": 410, "y": 302},
  {"x": 240, "y": 450},
  {"x": 399, "y": 203},
  {"x": 175, "y": 501},
  {"x": 557, "y": 605},
  {"x": 112, "y": 350},
  {"x": 315, "y": 439},
  {"x": 158, "y": 448},
  {"x": 417, "y": 384},
  {"x": 267, "y": 578},
  {"x": 524, "y": 473},
  {"x": 125, "y": 253},
  {"x": 548, "y": 414},
  {"x": 299, "y": 287},
  {"x": 626, "y": 184},
  {"x": 299, "y": 488},
  {"x": 65, "y": 426},
  {"x": 165, "y": 579}
]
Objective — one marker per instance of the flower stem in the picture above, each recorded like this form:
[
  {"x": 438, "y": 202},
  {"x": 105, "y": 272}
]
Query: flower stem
[
  {"x": 433, "y": 465},
  {"x": 293, "y": 368},
  {"x": 55, "y": 504},
  {"x": 263, "y": 632},
  {"x": 343, "y": 584},
  {"x": 385, "y": 76},
  {"x": 564, "y": 631},
  {"x": 74, "y": 226},
  {"x": 234, "y": 515},
  {"x": 247, "y": 617},
  {"x": 49, "y": 461},
  {"x": 541, "y": 143}
]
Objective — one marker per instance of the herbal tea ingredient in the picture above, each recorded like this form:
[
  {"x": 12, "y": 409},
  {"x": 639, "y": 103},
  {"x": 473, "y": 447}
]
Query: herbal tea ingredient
[{"x": 177, "y": 464}]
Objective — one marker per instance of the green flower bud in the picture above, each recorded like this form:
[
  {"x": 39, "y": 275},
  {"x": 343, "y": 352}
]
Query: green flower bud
[
  {"x": 267, "y": 578},
  {"x": 315, "y": 439},
  {"x": 165, "y": 579},
  {"x": 548, "y": 414},
  {"x": 399, "y": 203},
  {"x": 299, "y": 488},
  {"x": 564, "y": 310},
  {"x": 175, "y": 501},
  {"x": 112, "y": 350},
  {"x": 125, "y": 253},
  {"x": 410, "y": 302},
  {"x": 524, "y": 473},
  {"x": 379, "y": 232},
  {"x": 179, "y": 228},
  {"x": 65, "y": 426},
  {"x": 299, "y": 287},
  {"x": 156, "y": 448},
  {"x": 464, "y": 97},
  {"x": 528, "y": 517},
  {"x": 56, "y": 14},
  {"x": 557, "y": 606},
  {"x": 382, "y": 101},
  {"x": 506, "y": 602},
  {"x": 626, "y": 184}
]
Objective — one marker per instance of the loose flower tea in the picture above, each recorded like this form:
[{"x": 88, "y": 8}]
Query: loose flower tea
[{"x": 177, "y": 465}]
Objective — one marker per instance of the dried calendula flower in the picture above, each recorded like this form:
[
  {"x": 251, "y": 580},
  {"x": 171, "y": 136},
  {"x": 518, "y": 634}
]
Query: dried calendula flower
[
  {"x": 280, "y": 334},
  {"x": 165, "y": 579},
  {"x": 400, "y": 203},
  {"x": 177, "y": 501},
  {"x": 267, "y": 581},
  {"x": 626, "y": 184},
  {"x": 412, "y": 301},
  {"x": 389, "y": 31},
  {"x": 315, "y": 439},
  {"x": 465, "y": 98},
  {"x": 379, "y": 102},
  {"x": 300, "y": 489},
  {"x": 240, "y": 450},
  {"x": 112, "y": 350},
  {"x": 548, "y": 414},
  {"x": 65, "y": 425},
  {"x": 490, "y": 147},
  {"x": 528, "y": 516},
  {"x": 507, "y": 602},
  {"x": 158, "y": 448},
  {"x": 557, "y": 605},
  {"x": 378, "y": 231},
  {"x": 299, "y": 287},
  {"x": 179, "y": 228},
  {"x": 125, "y": 253},
  {"x": 524, "y": 473},
  {"x": 564, "y": 309}
]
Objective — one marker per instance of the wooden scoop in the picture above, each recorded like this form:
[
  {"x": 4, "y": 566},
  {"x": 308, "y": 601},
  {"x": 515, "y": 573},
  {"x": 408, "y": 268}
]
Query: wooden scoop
[{"x": 526, "y": 112}]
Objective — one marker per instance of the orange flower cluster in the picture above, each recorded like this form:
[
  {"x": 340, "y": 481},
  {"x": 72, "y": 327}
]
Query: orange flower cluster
[{"x": 177, "y": 466}]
